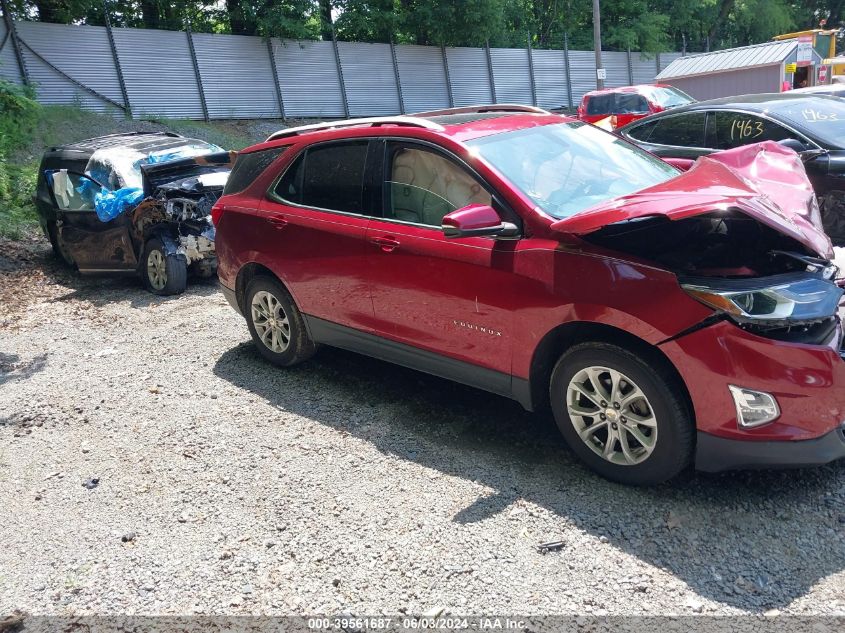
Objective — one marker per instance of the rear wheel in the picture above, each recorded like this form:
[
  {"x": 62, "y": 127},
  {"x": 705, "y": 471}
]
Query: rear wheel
[
  {"x": 621, "y": 415},
  {"x": 164, "y": 273},
  {"x": 275, "y": 323}
]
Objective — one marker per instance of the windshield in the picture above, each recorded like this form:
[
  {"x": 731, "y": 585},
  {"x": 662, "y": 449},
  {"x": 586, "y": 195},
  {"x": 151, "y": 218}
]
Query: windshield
[
  {"x": 568, "y": 167},
  {"x": 822, "y": 118},
  {"x": 669, "y": 97}
]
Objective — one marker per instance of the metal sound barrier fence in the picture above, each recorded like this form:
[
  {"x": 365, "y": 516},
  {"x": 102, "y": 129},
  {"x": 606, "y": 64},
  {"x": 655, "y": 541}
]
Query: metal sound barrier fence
[{"x": 177, "y": 74}]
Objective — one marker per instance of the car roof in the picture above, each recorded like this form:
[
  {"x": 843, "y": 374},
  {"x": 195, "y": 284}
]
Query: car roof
[
  {"x": 638, "y": 88},
  {"x": 755, "y": 103},
  {"x": 133, "y": 140},
  {"x": 459, "y": 124}
]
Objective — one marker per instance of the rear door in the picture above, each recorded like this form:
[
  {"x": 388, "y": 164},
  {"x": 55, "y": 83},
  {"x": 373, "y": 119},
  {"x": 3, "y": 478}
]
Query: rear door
[
  {"x": 313, "y": 226},
  {"x": 95, "y": 246},
  {"x": 450, "y": 297}
]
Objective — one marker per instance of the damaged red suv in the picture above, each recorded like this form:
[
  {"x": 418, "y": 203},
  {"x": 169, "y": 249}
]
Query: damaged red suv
[{"x": 666, "y": 318}]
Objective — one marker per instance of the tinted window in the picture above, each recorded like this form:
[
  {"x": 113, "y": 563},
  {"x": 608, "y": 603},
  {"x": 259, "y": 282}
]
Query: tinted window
[
  {"x": 683, "y": 130},
  {"x": 617, "y": 103},
  {"x": 290, "y": 186},
  {"x": 631, "y": 104},
  {"x": 732, "y": 129},
  {"x": 600, "y": 104},
  {"x": 642, "y": 132},
  {"x": 327, "y": 177},
  {"x": 248, "y": 167},
  {"x": 424, "y": 186}
]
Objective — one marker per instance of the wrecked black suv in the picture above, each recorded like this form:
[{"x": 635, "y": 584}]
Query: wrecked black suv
[{"x": 136, "y": 203}]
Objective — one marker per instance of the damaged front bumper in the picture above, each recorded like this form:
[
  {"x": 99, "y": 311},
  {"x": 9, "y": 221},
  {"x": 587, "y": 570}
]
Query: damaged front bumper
[{"x": 807, "y": 381}]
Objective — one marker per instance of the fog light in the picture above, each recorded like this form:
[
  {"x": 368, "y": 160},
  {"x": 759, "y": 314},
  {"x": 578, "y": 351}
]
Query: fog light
[{"x": 754, "y": 408}]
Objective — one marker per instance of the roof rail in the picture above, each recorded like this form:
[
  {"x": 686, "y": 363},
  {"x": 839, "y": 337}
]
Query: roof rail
[
  {"x": 409, "y": 121},
  {"x": 480, "y": 109}
]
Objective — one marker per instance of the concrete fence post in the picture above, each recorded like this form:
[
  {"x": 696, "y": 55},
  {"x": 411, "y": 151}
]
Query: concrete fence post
[{"x": 630, "y": 69}]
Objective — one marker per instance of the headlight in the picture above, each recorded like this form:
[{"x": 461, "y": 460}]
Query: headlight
[{"x": 804, "y": 299}]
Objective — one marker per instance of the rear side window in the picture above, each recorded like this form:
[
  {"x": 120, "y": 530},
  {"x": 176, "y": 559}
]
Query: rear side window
[
  {"x": 683, "y": 130},
  {"x": 732, "y": 129},
  {"x": 250, "y": 166},
  {"x": 642, "y": 132},
  {"x": 631, "y": 104},
  {"x": 601, "y": 104},
  {"x": 327, "y": 177}
]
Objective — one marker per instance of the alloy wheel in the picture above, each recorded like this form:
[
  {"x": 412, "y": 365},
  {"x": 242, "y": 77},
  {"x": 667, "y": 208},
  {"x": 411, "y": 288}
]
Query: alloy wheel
[
  {"x": 156, "y": 270},
  {"x": 270, "y": 321},
  {"x": 612, "y": 415}
]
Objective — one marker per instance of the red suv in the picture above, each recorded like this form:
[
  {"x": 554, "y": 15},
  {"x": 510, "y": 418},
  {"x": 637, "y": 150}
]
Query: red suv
[
  {"x": 624, "y": 105},
  {"x": 665, "y": 317}
]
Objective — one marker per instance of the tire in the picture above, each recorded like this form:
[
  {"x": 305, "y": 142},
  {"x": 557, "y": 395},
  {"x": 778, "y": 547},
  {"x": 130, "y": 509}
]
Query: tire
[
  {"x": 58, "y": 246},
  {"x": 287, "y": 342},
  {"x": 659, "y": 416},
  {"x": 163, "y": 273}
]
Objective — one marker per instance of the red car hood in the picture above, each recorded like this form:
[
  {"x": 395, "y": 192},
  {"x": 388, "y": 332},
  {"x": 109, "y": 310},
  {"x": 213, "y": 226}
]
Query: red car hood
[{"x": 765, "y": 181}]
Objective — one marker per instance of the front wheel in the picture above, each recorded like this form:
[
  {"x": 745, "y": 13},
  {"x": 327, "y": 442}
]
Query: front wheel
[
  {"x": 164, "y": 273},
  {"x": 624, "y": 417}
]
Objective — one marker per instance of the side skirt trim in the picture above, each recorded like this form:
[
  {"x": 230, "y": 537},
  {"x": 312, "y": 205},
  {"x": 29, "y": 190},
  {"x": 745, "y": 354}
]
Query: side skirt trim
[{"x": 335, "y": 335}]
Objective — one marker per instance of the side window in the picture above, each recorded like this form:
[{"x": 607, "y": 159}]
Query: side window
[
  {"x": 601, "y": 104},
  {"x": 682, "y": 130},
  {"x": 732, "y": 129},
  {"x": 248, "y": 167},
  {"x": 72, "y": 192},
  {"x": 631, "y": 104},
  {"x": 327, "y": 177},
  {"x": 642, "y": 132},
  {"x": 423, "y": 186}
]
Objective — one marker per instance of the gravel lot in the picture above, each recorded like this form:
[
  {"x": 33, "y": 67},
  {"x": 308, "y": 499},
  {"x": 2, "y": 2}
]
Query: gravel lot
[{"x": 224, "y": 485}]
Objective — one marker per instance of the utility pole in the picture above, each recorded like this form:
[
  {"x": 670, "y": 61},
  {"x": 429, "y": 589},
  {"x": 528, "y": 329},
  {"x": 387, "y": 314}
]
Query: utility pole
[{"x": 600, "y": 72}]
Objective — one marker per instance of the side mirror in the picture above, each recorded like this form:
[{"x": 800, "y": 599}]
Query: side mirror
[
  {"x": 476, "y": 220},
  {"x": 794, "y": 144}
]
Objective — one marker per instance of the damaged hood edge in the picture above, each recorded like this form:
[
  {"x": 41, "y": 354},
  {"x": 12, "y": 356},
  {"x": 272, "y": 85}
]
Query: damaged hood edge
[{"x": 723, "y": 182}]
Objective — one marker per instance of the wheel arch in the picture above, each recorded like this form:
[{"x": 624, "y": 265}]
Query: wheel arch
[
  {"x": 555, "y": 343},
  {"x": 247, "y": 273}
]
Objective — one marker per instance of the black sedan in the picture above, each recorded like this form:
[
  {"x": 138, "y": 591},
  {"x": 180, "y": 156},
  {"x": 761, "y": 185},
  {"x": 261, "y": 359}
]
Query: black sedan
[{"x": 813, "y": 125}]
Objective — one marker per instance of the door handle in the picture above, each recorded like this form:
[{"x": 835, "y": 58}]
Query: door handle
[
  {"x": 385, "y": 242},
  {"x": 277, "y": 221}
]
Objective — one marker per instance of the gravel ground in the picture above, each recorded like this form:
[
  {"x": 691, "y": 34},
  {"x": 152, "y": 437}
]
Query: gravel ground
[{"x": 152, "y": 463}]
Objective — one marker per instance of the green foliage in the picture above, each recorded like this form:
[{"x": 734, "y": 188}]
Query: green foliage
[{"x": 18, "y": 117}]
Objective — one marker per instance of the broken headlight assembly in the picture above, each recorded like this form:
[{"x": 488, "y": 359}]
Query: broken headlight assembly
[{"x": 796, "y": 307}]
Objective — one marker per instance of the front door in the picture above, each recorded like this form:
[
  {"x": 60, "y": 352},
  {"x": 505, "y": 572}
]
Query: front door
[
  {"x": 94, "y": 245},
  {"x": 446, "y": 296}
]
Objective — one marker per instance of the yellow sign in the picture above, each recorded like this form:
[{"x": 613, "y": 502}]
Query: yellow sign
[{"x": 791, "y": 68}]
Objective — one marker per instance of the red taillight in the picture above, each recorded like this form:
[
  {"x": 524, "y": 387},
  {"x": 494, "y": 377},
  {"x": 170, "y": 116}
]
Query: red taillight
[{"x": 217, "y": 212}]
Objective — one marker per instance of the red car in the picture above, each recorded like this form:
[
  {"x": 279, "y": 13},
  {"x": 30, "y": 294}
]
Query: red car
[
  {"x": 630, "y": 103},
  {"x": 665, "y": 317}
]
